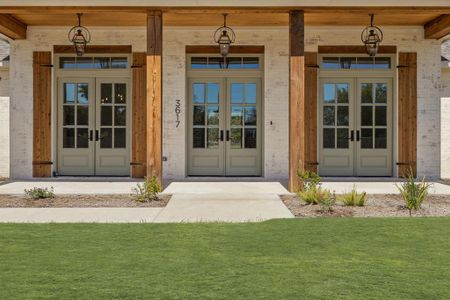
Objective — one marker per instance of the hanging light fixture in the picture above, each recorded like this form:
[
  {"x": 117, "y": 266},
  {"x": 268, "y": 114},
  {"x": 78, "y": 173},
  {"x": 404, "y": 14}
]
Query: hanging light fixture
[
  {"x": 224, "y": 36},
  {"x": 372, "y": 36},
  {"x": 79, "y": 36}
]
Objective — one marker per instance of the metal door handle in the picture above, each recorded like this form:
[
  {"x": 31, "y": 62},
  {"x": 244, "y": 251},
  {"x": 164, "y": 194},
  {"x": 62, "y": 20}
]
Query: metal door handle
[
  {"x": 228, "y": 135},
  {"x": 352, "y": 136},
  {"x": 221, "y": 135},
  {"x": 96, "y": 135},
  {"x": 91, "y": 135},
  {"x": 357, "y": 136}
]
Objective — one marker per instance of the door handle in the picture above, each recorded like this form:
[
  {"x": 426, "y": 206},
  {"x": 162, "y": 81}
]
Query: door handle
[
  {"x": 357, "y": 136},
  {"x": 221, "y": 135},
  {"x": 96, "y": 135},
  {"x": 228, "y": 135},
  {"x": 352, "y": 136},
  {"x": 91, "y": 135}
]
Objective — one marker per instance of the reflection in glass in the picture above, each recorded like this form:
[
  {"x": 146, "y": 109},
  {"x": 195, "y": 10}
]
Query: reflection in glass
[
  {"x": 382, "y": 63},
  {"x": 250, "y": 116},
  {"x": 68, "y": 115},
  {"x": 82, "y": 115},
  {"x": 331, "y": 63},
  {"x": 348, "y": 62},
  {"x": 106, "y": 93},
  {"x": 106, "y": 138},
  {"x": 69, "y": 93},
  {"x": 82, "y": 138},
  {"x": 199, "y": 115},
  {"x": 250, "y": 93},
  {"x": 381, "y": 93},
  {"x": 234, "y": 62},
  {"x": 236, "y": 138},
  {"x": 250, "y": 138},
  {"x": 342, "y": 116},
  {"x": 213, "y": 138},
  {"x": 236, "y": 92},
  {"x": 85, "y": 63},
  {"x": 213, "y": 92},
  {"x": 119, "y": 62},
  {"x": 329, "y": 95},
  {"x": 215, "y": 63},
  {"x": 199, "y": 93},
  {"x": 199, "y": 62},
  {"x": 102, "y": 63},
  {"x": 328, "y": 115},
  {"x": 366, "y": 93},
  {"x": 120, "y": 115},
  {"x": 198, "y": 138},
  {"x": 342, "y": 141},
  {"x": 236, "y": 115},
  {"x": 106, "y": 115},
  {"x": 366, "y": 138},
  {"x": 328, "y": 138},
  {"x": 380, "y": 138},
  {"x": 342, "y": 93},
  {"x": 251, "y": 62},
  {"x": 366, "y": 116},
  {"x": 68, "y": 137},
  {"x": 380, "y": 116},
  {"x": 365, "y": 63},
  {"x": 83, "y": 90},
  {"x": 67, "y": 63},
  {"x": 120, "y": 138},
  {"x": 120, "y": 93},
  {"x": 213, "y": 115}
]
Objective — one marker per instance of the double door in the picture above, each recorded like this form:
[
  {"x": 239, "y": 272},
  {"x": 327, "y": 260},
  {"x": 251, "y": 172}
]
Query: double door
[
  {"x": 224, "y": 121},
  {"x": 355, "y": 127},
  {"x": 93, "y": 127}
]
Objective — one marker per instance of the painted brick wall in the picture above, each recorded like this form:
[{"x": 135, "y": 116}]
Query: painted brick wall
[
  {"x": 445, "y": 124},
  {"x": 276, "y": 93},
  {"x": 4, "y": 122}
]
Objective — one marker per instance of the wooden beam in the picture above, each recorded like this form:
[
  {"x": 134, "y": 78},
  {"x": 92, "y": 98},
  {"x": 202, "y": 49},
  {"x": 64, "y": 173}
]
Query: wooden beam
[
  {"x": 355, "y": 49},
  {"x": 310, "y": 125},
  {"x": 233, "y": 49},
  {"x": 104, "y": 49},
  {"x": 438, "y": 28},
  {"x": 296, "y": 97},
  {"x": 154, "y": 94},
  {"x": 12, "y": 28}
]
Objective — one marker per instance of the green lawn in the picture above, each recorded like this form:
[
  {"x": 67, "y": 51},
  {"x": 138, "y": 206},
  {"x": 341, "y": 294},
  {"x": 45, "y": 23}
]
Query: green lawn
[{"x": 325, "y": 258}]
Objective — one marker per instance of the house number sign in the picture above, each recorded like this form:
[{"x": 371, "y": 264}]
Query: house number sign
[{"x": 177, "y": 112}]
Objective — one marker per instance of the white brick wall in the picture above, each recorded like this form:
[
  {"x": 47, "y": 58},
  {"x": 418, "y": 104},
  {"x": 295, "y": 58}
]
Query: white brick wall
[
  {"x": 445, "y": 124},
  {"x": 4, "y": 122},
  {"x": 276, "y": 81}
]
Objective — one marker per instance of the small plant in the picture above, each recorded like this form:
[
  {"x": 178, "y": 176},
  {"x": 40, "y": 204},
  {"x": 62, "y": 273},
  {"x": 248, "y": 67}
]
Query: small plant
[
  {"x": 326, "y": 200},
  {"x": 413, "y": 193},
  {"x": 354, "y": 198},
  {"x": 314, "y": 195},
  {"x": 309, "y": 179},
  {"x": 148, "y": 190},
  {"x": 39, "y": 193}
]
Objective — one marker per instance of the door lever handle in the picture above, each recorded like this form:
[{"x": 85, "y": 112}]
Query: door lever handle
[
  {"x": 221, "y": 135},
  {"x": 352, "y": 136},
  {"x": 96, "y": 135},
  {"x": 91, "y": 135},
  {"x": 228, "y": 135},
  {"x": 357, "y": 136}
]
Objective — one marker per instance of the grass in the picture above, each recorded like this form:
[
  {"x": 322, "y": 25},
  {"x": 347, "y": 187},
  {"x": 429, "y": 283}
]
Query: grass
[{"x": 323, "y": 258}]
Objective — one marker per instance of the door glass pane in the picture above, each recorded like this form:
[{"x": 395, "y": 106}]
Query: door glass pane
[
  {"x": 234, "y": 62},
  {"x": 251, "y": 62},
  {"x": 105, "y": 137},
  {"x": 236, "y": 115},
  {"x": 331, "y": 63},
  {"x": 250, "y": 138},
  {"x": 329, "y": 93},
  {"x": 102, "y": 63},
  {"x": 199, "y": 62},
  {"x": 120, "y": 138},
  {"x": 365, "y": 63},
  {"x": 250, "y": 116},
  {"x": 215, "y": 62},
  {"x": 199, "y": 115},
  {"x": 328, "y": 138},
  {"x": 366, "y": 116},
  {"x": 119, "y": 62},
  {"x": 366, "y": 138},
  {"x": 68, "y": 137},
  {"x": 67, "y": 62},
  {"x": 382, "y": 63},
  {"x": 120, "y": 115},
  {"x": 348, "y": 62},
  {"x": 199, "y": 93},
  {"x": 83, "y": 92},
  {"x": 380, "y": 138},
  {"x": 213, "y": 115},
  {"x": 342, "y": 138},
  {"x": 328, "y": 115},
  {"x": 120, "y": 93},
  {"x": 69, "y": 93},
  {"x": 380, "y": 115},
  {"x": 342, "y": 93},
  {"x": 213, "y": 93},
  {"x": 236, "y": 92},
  {"x": 366, "y": 93},
  {"x": 106, "y": 93},
  {"x": 381, "y": 93},
  {"x": 213, "y": 138},
  {"x": 106, "y": 116},
  {"x": 68, "y": 115},
  {"x": 198, "y": 138},
  {"x": 85, "y": 63},
  {"x": 82, "y": 138},
  {"x": 236, "y": 138},
  {"x": 342, "y": 115},
  {"x": 82, "y": 115},
  {"x": 250, "y": 93}
]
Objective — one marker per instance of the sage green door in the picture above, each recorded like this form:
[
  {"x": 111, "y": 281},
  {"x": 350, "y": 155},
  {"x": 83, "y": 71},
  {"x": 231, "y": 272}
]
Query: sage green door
[
  {"x": 224, "y": 136},
  {"x": 355, "y": 129}
]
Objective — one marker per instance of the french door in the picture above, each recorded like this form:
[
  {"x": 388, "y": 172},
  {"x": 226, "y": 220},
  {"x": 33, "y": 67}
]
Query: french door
[
  {"x": 224, "y": 136},
  {"x": 93, "y": 127},
  {"x": 355, "y": 136}
]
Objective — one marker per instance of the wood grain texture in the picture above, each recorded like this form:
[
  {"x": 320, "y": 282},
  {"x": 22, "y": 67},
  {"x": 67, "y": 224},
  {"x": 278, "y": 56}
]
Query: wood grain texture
[
  {"x": 91, "y": 49},
  {"x": 239, "y": 49},
  {"x": 296, "y": 97},
  {"x": 438, "y": 27},
  {"x": 12, "y": 27},
  {"x": 139, "y": 117},
  {"x": 154, "y": 94},
  {"x": 311, "y": 88},
  {"x": 407, "y": 116},
  {"x": 384, "y": 49},
  {"x": 42, "y": 111}
]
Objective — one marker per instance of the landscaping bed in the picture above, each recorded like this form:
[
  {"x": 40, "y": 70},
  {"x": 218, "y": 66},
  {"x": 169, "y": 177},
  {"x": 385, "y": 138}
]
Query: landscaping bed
[
  {"x": 123, "y": 200},
  {"x": 375, "y": 206}
]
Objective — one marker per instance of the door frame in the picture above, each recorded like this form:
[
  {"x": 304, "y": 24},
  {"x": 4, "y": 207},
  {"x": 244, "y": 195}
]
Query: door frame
[
  {"x": 60, "y": 73},
  {"x": 364, "y": 73},
  {"x": 192, "y": 73}
]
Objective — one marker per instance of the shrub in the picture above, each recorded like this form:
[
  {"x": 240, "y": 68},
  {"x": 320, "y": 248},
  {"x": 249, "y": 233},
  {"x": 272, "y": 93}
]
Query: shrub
[
  {"x": 309, "y": 179},
  {"x": 326, "y": 200},
  {"x": 413, "y": 193},
  {"x": 354, "y": 198},
  {"x": 40, "y": 193},
  {"x": 148, "y": 190},
  {"x": 314, "y": 195}
]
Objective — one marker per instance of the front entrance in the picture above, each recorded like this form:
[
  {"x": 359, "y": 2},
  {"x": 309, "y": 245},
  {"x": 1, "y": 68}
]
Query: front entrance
[
  {"x": 355, "y": 121},
  {"x": 224, "y": 134},
  {"x": 93, "y": 126}
]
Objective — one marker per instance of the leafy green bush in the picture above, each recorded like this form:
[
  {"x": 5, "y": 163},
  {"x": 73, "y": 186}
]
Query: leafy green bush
[
  {"x": 148, "y": 190},
  {"x": 326, "y": 200},
  {"x": 309, "y": 179},
  {"x": 40, "y": 193},
  {"x": 413, "y": 193},
  {"x": 354, "y": 198},
  {"x": 315, "y": 195}
]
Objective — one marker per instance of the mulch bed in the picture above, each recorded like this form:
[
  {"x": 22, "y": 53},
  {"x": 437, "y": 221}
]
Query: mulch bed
[
  {"x": 80, "y": 201},
  {"x": 376, "y": 206}
]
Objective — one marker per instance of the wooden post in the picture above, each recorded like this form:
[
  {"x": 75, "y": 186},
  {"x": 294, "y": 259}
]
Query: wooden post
[
  {"x": 154, "y": 94},
  {"x": 296, "y": 96}
]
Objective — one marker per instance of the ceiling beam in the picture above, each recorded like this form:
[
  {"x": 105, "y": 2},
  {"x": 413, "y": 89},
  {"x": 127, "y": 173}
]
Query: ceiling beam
[
  {"x": 12, "y": 28},
  {"x": 438, "y": 28}
]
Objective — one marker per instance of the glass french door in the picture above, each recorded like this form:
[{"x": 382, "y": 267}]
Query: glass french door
[
  {"x": 355, "y": 127},
  {"x": 224, "y": 136},
  {"x": 93, "y": 127}
]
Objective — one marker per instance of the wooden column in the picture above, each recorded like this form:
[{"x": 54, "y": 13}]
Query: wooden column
[
  {"x": 310, "y": 125},
  {"x": 296, "y": 97},
  {"x": 154, "y": 94},
  {"x": 407, "y": 113},
  {"x": 42, "y": 111}
]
